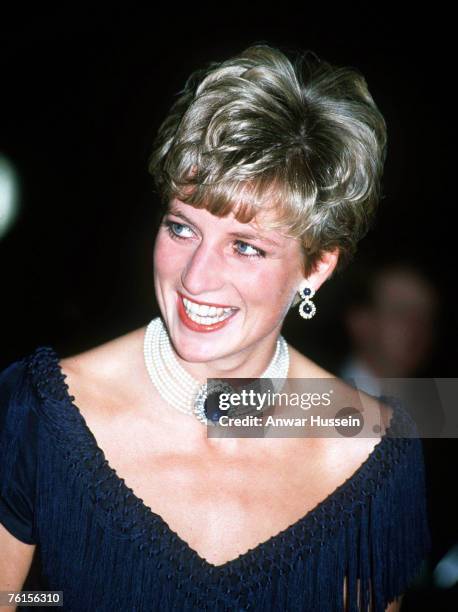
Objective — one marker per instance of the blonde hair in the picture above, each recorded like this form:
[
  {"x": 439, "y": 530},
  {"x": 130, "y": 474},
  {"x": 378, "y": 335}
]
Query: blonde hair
[{"x": 260, "y": 132}]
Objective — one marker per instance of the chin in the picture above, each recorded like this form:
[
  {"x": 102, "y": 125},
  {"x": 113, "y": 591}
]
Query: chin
[
  {"x": 196, "y": 352},
  {"x": 192, "y": 346}
]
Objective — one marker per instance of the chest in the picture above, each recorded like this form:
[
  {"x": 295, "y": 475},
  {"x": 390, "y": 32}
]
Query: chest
[{"x": 220, "y": 505}]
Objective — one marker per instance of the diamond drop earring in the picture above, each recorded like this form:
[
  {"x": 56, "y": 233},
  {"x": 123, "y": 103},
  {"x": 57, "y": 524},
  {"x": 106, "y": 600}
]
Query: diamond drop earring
[{"x": 307, "y": 308}]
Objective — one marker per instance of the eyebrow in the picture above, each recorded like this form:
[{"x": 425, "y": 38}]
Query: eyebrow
[{"x": 239, "y": 234}]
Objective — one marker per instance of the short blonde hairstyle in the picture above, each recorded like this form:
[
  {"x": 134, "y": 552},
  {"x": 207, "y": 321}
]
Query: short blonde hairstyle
[{"x": 263, "y": 132}]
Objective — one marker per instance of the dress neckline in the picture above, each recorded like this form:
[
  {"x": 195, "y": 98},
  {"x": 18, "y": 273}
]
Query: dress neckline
[{"x": 129, "y": 517}]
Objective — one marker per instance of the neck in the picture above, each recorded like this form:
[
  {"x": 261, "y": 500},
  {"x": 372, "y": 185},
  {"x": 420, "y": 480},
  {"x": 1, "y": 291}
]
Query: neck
[
  {"x": 177, "y": 385},
  {"x": 247, "y": 363}
]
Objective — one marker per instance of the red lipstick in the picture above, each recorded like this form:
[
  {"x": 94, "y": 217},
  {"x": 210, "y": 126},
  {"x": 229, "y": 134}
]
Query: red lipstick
[
  {"x": 197, "y": 326},
  {"x": 206, "y": 303}
]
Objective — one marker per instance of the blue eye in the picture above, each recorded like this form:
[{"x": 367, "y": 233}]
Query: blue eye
[
  {"x": 174, "y": 229},
  {"x": 241, "y": 248},
  {"x": 255, "y": 251}
]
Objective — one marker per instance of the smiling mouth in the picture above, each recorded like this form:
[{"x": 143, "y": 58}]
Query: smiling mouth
[{"x": 206, "y": 314}]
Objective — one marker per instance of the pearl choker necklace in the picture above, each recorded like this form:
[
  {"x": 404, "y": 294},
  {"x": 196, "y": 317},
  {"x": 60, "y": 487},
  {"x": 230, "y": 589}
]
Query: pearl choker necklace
[{"x": 178, "y": 387}]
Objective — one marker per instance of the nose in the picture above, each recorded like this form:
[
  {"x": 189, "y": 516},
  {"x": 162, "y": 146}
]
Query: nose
[{"x": 204, "y": 272}]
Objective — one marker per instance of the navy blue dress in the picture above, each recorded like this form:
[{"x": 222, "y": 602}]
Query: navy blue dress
[{"x": 107, "y": 551}]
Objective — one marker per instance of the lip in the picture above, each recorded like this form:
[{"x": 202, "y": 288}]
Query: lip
[
  {"x": 205, "y": 303},
  {"x": 197, "y": 326}
]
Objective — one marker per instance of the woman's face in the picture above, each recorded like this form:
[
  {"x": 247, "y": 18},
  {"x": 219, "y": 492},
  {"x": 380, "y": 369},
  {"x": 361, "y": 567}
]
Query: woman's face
[{"x": 222, "y": 286}]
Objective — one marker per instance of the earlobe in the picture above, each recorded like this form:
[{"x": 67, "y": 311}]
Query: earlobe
[{"x": 322, "y": 270}]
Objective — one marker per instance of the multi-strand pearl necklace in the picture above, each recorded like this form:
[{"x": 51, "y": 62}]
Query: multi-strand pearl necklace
[{"x": 177, "y": 386}]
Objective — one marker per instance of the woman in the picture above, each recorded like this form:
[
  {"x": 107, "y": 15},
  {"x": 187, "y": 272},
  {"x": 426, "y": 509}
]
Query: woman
[{"x": 270, "y": 172}]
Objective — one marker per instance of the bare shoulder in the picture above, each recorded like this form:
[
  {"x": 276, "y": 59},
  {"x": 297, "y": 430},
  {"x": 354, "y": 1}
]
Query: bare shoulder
[
  {"x": 374, "y": 412},
  {"x": 105, "y": 372},
  {"x": 104, "y": 358}
]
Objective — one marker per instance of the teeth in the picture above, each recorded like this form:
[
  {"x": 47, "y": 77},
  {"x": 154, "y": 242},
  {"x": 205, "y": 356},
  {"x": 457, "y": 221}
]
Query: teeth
[
  {"x": 206, "y": 320},
  {"x": 204, "y": 314}
]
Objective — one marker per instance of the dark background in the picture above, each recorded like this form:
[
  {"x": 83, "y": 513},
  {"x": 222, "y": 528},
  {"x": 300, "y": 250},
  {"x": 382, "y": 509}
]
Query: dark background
[{"x": 83, "y": 94}]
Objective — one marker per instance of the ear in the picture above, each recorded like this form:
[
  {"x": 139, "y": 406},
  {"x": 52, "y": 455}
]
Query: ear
[{"x": 322, "y": 270}]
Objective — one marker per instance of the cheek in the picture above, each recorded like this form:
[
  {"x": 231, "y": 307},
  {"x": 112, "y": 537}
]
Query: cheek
[
  {"x": 269, "y": 287},
  {"x": 166, "y": 258},
  {"x": 159, "y": 255}
]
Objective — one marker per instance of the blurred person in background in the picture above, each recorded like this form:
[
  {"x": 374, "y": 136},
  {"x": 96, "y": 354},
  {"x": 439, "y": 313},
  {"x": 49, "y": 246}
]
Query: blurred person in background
[{"x": 391, "y": 320}]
